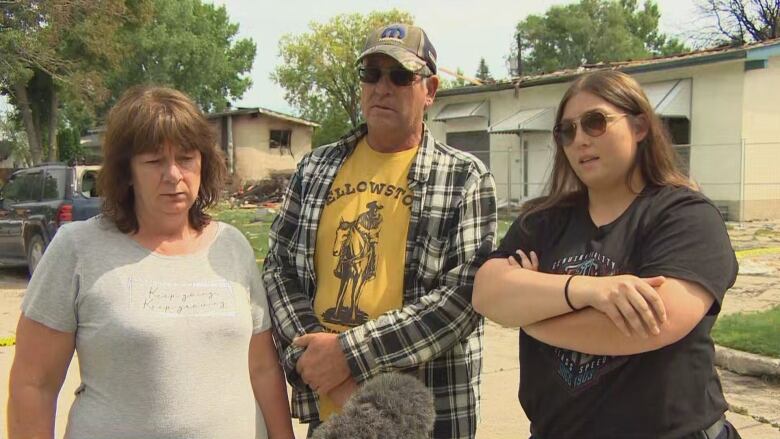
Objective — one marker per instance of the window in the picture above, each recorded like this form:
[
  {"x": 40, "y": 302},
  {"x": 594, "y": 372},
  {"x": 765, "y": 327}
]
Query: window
[
  {"x": 89, "y": 184},
  {"x": 23, "y": 187},
  {"x": 12, "y": 188},
  {"x": 54, "y": 185},
  {"x": 680, "y": 132},
  {"x": 280, "y": 139},
  {"x": 475, "y": 142},
  {"x": 32, "y": 191}
]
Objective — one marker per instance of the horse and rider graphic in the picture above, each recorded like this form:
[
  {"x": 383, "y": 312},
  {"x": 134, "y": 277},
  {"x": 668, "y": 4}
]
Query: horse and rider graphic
[{"x": 355, "y": 248}]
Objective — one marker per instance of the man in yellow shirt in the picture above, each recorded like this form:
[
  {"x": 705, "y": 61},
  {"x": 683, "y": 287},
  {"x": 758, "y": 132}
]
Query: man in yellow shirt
[{"x": 373, "y": 254}]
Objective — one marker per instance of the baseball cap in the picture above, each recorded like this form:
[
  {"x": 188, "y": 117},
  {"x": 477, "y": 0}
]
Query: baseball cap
[{"x": 407, "y": 44}]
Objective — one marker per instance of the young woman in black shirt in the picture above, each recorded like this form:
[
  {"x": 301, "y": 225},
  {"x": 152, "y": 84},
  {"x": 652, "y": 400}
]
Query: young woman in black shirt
[{"x": 615, "y": 279}]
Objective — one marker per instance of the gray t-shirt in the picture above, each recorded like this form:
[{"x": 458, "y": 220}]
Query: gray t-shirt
[{"x": 162, "y": 341}]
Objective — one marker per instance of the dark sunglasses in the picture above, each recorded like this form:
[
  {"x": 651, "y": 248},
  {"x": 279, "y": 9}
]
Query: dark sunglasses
[
  {"x": 594, "y": 123},
  {"x": 399, "y": 77}
]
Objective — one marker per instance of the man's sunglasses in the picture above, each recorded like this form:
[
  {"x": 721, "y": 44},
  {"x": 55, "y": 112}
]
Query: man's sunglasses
[
  {"x": 594, "y": 123},
  {"x": 399, "y": 77}
]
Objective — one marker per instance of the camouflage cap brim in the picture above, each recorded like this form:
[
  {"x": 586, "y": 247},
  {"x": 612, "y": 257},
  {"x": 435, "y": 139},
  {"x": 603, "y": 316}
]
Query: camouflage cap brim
[{"x": 407, "y": 59}]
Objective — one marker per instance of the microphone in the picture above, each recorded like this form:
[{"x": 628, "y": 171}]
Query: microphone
[{"x": 388, "y": 406}]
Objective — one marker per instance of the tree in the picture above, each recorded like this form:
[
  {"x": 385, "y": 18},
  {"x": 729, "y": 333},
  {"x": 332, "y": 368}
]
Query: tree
[
  {"x": 69, "y": 143},
  {"x": 71, "y": 59},
  {"x": 743, "y": 21},
  {"x": 13, "y": 143},
  {"x": 483, "y": 73},
  {"x": 592, "y": 31},
  {"x": 458, "y": 80},
  {"x": 56, "y": 50},
  {"x": 319, "y": 74},
  {"x": 189, "y": 45}
]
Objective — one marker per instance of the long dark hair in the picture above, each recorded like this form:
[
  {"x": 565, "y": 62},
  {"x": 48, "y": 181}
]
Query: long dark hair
[{"x": 655, "y": 158}]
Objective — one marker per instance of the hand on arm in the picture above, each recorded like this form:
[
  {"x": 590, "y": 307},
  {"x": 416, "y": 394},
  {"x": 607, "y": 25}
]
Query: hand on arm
[
  {"x": 621, "y": 298},
  {"x": 324, "y": 368},
  {"x": 631, "y": 303},
  {"x": 521, "y": 260},
  {"x": 592, "y": 332},
  {"x": 512, "y": 292},
  {"x": 323, "y": 365}
]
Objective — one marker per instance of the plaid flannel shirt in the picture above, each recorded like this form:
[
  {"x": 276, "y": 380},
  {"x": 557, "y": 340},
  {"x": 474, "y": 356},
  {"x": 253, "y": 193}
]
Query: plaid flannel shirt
[{"x": 436, "y": 335}]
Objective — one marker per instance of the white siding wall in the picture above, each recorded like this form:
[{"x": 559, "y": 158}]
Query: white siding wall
[
  {"x": 716, "y": 125},
  {"x": 761, "y": 131},
  {"x": 505, "y": 150}
]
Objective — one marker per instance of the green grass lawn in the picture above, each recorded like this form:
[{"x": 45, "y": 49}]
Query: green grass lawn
[
  {"x": 242, "y": 219},
  {"x": 503, "y": 226},
  {"x": 758, "y": 332}
]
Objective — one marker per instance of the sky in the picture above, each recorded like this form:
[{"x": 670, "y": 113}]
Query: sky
[{"x": 461, "y": 31}]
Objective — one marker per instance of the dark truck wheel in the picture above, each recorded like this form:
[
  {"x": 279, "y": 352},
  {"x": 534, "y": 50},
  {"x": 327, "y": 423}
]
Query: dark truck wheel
[{"x": 35, "y": 248}]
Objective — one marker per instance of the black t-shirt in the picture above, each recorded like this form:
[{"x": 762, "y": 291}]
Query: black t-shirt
[{"x": 671, "y": 392}]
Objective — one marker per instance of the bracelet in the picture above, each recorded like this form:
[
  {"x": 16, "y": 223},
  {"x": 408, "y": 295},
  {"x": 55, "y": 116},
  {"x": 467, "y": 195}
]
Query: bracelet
[{"x": 566, "y": 293}]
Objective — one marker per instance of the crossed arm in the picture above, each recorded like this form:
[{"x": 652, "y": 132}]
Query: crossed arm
[{"x": 619, "y": 315}]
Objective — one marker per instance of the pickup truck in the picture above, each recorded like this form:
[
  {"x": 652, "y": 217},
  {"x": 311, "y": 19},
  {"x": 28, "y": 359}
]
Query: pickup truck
[{"x": 36, "y": 201}]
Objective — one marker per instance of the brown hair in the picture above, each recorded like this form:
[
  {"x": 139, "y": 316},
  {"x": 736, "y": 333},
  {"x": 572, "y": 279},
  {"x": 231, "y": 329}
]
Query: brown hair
[
  {"x": 145, "y": 119},
  {"x": 655, "y": 158}
]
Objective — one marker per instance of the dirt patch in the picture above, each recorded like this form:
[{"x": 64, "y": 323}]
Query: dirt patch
[{"x": 13, "y": 283}]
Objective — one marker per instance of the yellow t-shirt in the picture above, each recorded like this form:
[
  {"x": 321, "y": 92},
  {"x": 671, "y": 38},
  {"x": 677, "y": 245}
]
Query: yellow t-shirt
[{"x": 361, "y": 242}]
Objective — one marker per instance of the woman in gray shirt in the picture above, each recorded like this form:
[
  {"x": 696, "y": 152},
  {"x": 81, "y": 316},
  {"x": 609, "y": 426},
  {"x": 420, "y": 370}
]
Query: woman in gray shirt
[{"x": 164, "y": 307}]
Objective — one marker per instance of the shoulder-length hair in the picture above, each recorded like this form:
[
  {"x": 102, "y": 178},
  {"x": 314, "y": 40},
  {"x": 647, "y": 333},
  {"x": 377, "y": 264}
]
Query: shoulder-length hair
[
  {"x": 146, "y": 119},
  {"x": 656, "y": 160}
]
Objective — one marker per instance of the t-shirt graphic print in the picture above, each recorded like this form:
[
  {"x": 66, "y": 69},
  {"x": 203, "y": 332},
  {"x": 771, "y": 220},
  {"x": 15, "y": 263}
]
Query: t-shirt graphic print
[
  {"x": 576, "y": 369},
  {"x": 355, "y": 249}
]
